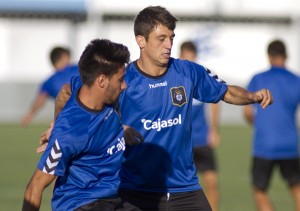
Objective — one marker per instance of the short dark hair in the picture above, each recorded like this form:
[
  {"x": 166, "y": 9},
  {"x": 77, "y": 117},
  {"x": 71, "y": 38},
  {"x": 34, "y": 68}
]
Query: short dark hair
[
  {"x": 150, "y": 17},
  {"x": 277, "y": 48},
  {"x": 57, "y": 52},
  {"x": 101, "y": 56},
  {"x": 188, "y": 45}
]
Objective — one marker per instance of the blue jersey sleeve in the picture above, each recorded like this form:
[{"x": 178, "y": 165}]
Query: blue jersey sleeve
[
  {"x": 208, "y": 87},
  {"x": 67, "y": 140},
  {"x": 46, "y": 87}
]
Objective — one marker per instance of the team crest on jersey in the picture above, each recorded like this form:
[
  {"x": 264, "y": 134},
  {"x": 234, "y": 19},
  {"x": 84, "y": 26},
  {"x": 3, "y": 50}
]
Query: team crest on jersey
[{"x": 178, "y": 96}]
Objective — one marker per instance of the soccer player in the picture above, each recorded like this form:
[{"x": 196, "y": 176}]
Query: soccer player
[
  {"x": 64, "y": 70},
  {"x": 275, "y": 139},
  {"x": 159, "y": 174},
  {"x": 86, "y": 144},
  {"x": 205, "y": 136}
]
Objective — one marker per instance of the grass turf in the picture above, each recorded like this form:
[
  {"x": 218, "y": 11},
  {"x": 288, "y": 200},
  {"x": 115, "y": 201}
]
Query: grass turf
[{"x": 18, "y": 162}]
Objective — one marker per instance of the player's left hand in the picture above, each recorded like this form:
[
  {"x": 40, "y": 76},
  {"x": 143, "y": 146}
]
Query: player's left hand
[
  {"x": 264, "y": 97},
  {"x": 131, "y": 136}
]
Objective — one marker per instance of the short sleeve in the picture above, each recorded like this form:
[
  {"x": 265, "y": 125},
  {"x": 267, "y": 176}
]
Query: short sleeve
[{"x": 208, "y": 87}]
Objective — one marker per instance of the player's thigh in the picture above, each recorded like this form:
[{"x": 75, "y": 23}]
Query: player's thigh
[
  {"x": 261, "y": 173},
  {"x": 204, "y": 159},
  {"x": 101, "y": 204},
  {"x": 189, "y": 201},
  {"x": 290, "y": 170}
]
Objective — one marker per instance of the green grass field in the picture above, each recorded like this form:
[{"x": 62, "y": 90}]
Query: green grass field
[{"x": 18, "y": 161}]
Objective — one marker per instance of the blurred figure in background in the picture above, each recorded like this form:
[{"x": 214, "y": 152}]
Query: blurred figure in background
[
  {"x": 205, "y": 136},
  {"x": 63, "y": 71},
  {"x": 275, "y": 139}
]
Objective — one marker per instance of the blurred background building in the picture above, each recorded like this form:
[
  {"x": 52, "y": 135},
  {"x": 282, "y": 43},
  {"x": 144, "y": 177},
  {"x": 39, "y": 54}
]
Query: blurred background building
[{"x": 231, "y": 36}]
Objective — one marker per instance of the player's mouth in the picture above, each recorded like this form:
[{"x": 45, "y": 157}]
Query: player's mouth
[{"x": 166, "y": 55}]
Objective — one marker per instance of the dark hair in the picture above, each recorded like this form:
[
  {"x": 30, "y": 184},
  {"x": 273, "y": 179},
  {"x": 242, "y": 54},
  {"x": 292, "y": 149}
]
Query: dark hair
[
  {"x": 188, "y": 45},
  {"x": 101, "y": 56},
  {"x": 56, "y": 54},
  {"x": 277, "y": 48},
  {"x": 150, "y": 17}
]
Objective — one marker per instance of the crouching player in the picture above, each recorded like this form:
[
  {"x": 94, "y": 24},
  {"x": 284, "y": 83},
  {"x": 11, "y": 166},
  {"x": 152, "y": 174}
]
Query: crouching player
[{"x": 86, "y": 144}]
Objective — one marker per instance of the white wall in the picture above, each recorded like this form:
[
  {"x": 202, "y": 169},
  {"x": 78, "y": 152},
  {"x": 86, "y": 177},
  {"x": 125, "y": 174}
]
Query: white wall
[{"x": 234, "y": 51}]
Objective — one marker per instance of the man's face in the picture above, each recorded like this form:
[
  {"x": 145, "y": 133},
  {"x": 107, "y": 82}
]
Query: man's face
[
  {"x": 159, "y": 45},
  {"x": 116, "y": 85}
]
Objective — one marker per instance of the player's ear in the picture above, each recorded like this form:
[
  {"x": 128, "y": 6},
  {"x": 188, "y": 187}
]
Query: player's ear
[
  {"x": 102, "y": 80},
  {"x": 140, "y": 40}
]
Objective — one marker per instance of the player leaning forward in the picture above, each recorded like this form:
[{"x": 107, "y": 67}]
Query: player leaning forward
[
  {"x": 159, "y": 174},
  {"x": 86, "y": 145}
]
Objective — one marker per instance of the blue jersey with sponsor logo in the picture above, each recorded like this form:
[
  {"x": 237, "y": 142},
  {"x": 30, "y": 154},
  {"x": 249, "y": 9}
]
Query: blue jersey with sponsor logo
[
  {"x": 275, "y": 129},
  {"x": 85, "y": 152},
  {"x": 160, "y": 108},
  {"x": 199, "y": 124},
  {"x": 53, "y": 84}
]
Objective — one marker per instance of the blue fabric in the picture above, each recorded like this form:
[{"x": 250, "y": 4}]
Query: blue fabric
[
  {"x": 160, "y": 108},
  {"x": 55, "y": 82},
  {"x": 275, "y": 129},
  {"x": 199, "y": 124},
  {"x": 91, "y": 144}
]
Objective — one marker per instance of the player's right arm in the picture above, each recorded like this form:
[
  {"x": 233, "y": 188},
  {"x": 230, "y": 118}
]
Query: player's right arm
[
  {"x": 36, "y": 105},
  {"x": 214, "y": 136},
  {"x": 248, "y": 114},
  {"x": 34, "y": 191}
]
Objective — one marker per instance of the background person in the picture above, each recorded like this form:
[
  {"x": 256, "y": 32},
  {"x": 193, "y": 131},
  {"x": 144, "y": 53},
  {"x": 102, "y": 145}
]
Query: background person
[
  {"x": 205, "y": 136},
  {"x": 63, "y": 71},
  {"x": 275, "y": 137}
]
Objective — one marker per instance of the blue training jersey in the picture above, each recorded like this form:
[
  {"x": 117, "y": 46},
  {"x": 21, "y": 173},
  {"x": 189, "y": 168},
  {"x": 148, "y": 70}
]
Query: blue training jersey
[
  {"x": 54, "y": 83},
  {"x": 275, "y": 129},
  {"x": 200, "y": 127},
  {"x": 160, "y": 108},
  {"x": 85, "y": 151}
]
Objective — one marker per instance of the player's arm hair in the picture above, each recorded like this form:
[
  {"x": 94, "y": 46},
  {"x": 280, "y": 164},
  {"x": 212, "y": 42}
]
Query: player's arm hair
[
  {"x": 240, "y": 96},
  {"x": 34, "y": 191},
  {"x": 61, "y": 99}
]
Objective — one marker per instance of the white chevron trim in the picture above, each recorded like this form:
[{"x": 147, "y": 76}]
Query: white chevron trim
[{"x": 52, "y": 159}]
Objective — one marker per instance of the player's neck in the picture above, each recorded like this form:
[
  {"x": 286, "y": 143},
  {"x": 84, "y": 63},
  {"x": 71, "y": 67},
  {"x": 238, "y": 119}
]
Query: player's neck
[
  {"x": 90, "y": 98},
  {"x": 150, "y": 68}
]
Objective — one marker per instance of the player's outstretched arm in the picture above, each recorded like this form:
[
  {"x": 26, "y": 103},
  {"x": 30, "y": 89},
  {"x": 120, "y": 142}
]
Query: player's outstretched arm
[
  {"x": 36, "y": 105},
  {"x": 34, "y": 191},
  {"x": 240, "y": 96}
]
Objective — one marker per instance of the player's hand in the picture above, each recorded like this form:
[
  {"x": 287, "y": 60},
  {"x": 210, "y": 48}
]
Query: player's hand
[
  {"x": 131, "y": 136},
  {"x": 44, "y": 138},
  {"x": 26, "y": 120},
  {"x": 263, "y": 96}
]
